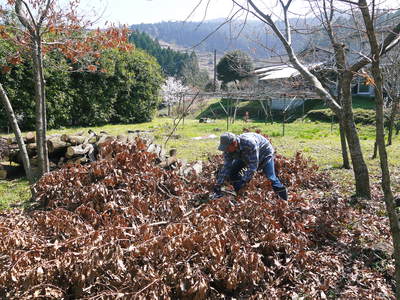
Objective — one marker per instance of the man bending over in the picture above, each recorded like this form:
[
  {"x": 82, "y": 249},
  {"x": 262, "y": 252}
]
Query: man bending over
[{"x": 244, "y": 154}]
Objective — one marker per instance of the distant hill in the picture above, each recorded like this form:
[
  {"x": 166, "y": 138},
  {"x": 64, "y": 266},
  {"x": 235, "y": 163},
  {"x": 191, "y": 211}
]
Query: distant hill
[
  {"x": 203, "y": 37},
  {"x": 254, "y": 38}
]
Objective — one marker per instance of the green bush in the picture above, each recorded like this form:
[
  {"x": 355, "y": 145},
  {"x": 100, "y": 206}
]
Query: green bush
[
  {"x": 361, "y": 116},
  {"x": 20, "y": 89},
  {"x": 126, "y": 93},
  {"x": 138, "y": 79}
]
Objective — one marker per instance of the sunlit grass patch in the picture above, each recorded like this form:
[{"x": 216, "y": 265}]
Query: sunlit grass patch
[
  {"x": 14, "y": 192},
  {"x": 318, "y": 141}
]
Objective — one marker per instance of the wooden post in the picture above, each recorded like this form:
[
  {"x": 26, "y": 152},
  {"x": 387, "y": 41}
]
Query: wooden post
[
  {"x": 284, "y": 116},
  {"x": 183, "y": 109},
  {"x": 227, "y": 114},
  {"x": 215, "y": 70},
  {"x": 265, "y": 111},
  {"x": 269, "y": 105}
]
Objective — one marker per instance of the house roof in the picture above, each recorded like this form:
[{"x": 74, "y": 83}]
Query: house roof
[{"x": 281, "y": 71}]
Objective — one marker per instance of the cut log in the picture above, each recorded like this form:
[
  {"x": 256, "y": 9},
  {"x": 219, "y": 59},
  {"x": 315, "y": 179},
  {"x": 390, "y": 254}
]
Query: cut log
[
  {"x": 145, "y": 138},
  {"x": 154, "y": 148},
  {"x": 76, "y": 139},
  {"x": 195, "y": 169},
  {"x": 172, "y": 152},
  {"x": 64, "y": 137},
  {"x": 131, "y": 138},
  {"x": 79, "y": 150},
  {"x": 3, "y": 173},
  {"x": 52, "y": 165},
  {"x": 30, "y": 137},
  {"x": 34, "y": 161},
  {"x": 104, "y": 138},
  {"x": 15, "y": 157},
  {"x": 77, "y": 160},
  {"x": 56, "y": 145},
  {"x": 31, "y": 146},
  {"x": 122, "y": 138},
  {"x": 73, "y": 139},
  {"x": 13, "y": 140},
  {"x": 91, "y": 139},
  {"x": 61, "y": 162},
  {"x": 169, "y": 163},
  {"x": 12, "y": 147}
]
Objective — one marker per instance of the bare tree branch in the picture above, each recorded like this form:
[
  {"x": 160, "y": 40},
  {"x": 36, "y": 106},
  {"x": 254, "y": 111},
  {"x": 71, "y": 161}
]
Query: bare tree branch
[
  {"x": 44, "y": 14},
  {"x": 21, "y": 16},
  {"x": 192, "y": 12}
]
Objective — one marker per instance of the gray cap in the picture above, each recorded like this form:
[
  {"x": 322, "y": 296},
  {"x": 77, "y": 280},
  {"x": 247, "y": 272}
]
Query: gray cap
[{"x": 225, "y": 140}]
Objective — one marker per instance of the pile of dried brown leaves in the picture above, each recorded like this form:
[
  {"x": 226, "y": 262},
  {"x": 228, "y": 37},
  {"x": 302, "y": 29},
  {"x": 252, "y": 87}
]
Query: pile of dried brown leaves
[{"x": 125, "y": 228}]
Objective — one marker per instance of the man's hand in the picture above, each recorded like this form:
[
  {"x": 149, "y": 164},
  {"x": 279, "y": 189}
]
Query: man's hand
[{"x": 217, "y": 192}]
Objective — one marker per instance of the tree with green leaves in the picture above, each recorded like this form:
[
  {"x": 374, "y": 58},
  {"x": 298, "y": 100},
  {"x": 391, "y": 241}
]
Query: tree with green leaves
[
  {"x": 138, "y": 80},
  {"x": 191, "y": 74},
  {"x": 40, "y": 27},
  {"x": 181, "y": 65},
  {"x": 234, "y": 66}
]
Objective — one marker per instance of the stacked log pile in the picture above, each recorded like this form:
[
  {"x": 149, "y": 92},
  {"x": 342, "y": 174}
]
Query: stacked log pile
[
  {"x": 3, "y": 155},
  {"x": 3, "y": 173},
  {"x": 3, "y": 148},
  {"x": 80, "y": 148}
]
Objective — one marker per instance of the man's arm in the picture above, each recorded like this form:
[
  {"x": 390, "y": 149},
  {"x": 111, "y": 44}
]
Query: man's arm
[
  {"x": 251, "y": 152},
  {"x": 226, "y": 169}
]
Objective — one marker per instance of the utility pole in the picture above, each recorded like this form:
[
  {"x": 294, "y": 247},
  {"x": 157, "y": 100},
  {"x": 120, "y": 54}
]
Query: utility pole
[{"x": 215, "y": 70}]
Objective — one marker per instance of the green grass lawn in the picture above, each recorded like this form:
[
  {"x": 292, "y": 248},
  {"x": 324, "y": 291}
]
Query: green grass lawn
[
  {"x": 13, "y": 192},
  {"x": 317, "y": 140}
]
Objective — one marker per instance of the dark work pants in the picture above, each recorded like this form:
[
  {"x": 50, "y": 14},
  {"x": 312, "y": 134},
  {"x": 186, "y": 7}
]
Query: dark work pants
[{"x": 268, "y": 170}]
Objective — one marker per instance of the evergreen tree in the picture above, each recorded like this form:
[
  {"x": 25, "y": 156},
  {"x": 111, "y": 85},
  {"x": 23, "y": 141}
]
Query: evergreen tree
[
  {"x": 234, "y": 66},
  {"x": 174, "y": 63},
  {"x": 191, "y": 74}
]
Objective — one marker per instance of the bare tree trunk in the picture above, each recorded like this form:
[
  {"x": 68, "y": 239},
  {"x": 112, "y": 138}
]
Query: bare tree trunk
[
  {"x": 40, "y": 132},
  {"x": 360, "y": 168},
  {"x": 387, "y": 191},
  {"x": 235, "y": 111},
  {"x": 375, "y": 154},
  {"x": 361, "y": 174},
  {"x": 343, "y": 143},
  {"x": 392, "y": 117},
  {"x": 14, "y": 125},
  {"x": 342, "y": 129},
  {"x": 44, "y": 109},
  {"x": 269, "y": 107},
  {"x": 34, "y": 27},
  {"x": 380, "y": 139}
]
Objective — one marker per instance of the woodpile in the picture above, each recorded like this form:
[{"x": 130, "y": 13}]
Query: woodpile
[
  {"x": 81, "y": 148},
  {"x": 3, "y": 148},
  {"x": 3, "y": 173}
]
